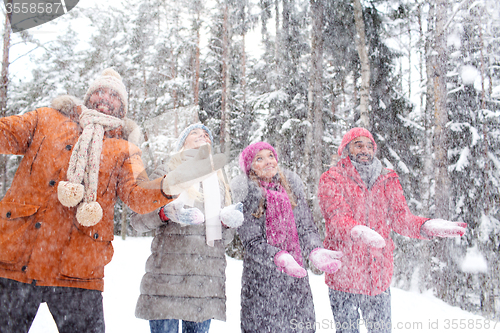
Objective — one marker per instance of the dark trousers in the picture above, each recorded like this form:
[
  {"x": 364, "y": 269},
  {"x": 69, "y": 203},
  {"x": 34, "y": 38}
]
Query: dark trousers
[
  {"x": 73, "y": 309},
  {"x": 375, "y": 311}
]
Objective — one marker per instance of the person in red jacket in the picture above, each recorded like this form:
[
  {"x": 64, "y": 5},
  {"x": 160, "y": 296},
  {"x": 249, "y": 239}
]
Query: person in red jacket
[{"x": 362, "y": 202}]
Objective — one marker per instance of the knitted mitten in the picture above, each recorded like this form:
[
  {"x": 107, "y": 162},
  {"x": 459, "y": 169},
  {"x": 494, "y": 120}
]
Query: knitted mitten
[
  {"x": 288, "y": 265},
  {"x": 232, "y": 216},
  {"x": 176, "y": 212},
  {"x": 326, "y": 260},
  {"x": 368, "y": 236},
  {"x": 443, "y": 228}
]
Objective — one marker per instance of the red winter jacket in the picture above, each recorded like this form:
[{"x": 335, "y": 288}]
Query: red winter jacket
[{"x": 346, "y": 202}]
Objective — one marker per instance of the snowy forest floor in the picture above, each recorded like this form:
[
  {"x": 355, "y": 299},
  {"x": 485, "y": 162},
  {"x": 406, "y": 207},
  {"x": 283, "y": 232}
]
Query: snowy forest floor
[{"x": 411, "y": 311}]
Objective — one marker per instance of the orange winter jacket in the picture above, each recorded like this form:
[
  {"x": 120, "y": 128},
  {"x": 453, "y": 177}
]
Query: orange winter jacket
[{"x": 41, "y": 241}]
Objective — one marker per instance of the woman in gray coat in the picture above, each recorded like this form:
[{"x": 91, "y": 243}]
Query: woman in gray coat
[
  {"x": 185, "y": 276},
  {"x": 277, "y": 233}
]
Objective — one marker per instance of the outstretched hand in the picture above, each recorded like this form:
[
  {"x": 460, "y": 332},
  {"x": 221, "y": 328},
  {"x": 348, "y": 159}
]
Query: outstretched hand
[
  {"x": 288, "y": 265},
  {"x": 232, "y": 216},
  {"x": 368, "y": 236},
  {"x": 176, "y": 212},
  {"x": 443, "y": 228},
  {"x": 326, "y": 260}
]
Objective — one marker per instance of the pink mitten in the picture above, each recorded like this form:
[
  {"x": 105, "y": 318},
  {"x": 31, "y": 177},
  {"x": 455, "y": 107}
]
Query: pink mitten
[
  {"x": 288, "y": 265},
  {"x": 443, "y": 228},
  {"x": 326, "y": 260},
  {"x": 368, "y": 236}
]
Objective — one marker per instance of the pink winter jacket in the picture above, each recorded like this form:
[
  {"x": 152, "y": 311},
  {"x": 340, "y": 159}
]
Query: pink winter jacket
[{"x": 346, "y": 202}]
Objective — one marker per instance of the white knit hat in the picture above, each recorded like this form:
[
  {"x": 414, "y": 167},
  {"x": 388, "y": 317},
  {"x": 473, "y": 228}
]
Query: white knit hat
[{"x": 109, "y": 79}]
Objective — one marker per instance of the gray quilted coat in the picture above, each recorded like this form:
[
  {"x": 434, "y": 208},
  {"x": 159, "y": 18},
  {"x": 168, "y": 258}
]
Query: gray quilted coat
[
  {"x": 185, "y": 278},
  {"x": 272, "y": 301}
]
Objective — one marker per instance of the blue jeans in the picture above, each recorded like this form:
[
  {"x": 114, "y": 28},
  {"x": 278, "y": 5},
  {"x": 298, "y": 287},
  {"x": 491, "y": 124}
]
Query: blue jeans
[
  {"x": 376, "y": 311},
  {"x": 172, "y": 326}
]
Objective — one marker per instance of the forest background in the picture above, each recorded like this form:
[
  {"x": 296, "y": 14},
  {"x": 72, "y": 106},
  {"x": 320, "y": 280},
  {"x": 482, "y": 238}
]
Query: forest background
[{"x": 422, "y": 76}]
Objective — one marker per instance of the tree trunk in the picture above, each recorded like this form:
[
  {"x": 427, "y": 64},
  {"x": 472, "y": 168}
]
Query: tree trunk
[
  {"x": 3, "y": 92},
  {"x": 316, "y": 104},
  {"x": 277, "y": 41},
  {"x": 244, "y": 59},
  {"x": 224, "y": 121},
  {"x": 441, "y": 114},
  {"x": 196, "y": 89},
  {"x": 175, "y": 98},
  {"x": 364, "y": 93},
  {"x": 487, "y": 296},
  {"x": 409, "y": 27},
  {"x": 428, "y": 170},
  {"x": 243, "y": 72},
  {"x": 124, "y": 221},
  {"x": 441, "y": 249},
  {"x": 421, "y": 43}
]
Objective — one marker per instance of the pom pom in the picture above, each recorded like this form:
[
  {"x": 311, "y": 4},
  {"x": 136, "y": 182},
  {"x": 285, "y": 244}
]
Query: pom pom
[
  {"x": 69, "y": 194},
  {"x": 89, "y": 213},
  {"x": 111, "y": 72}
]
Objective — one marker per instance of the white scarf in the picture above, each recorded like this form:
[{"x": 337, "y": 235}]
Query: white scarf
[{"x": 211, "y": 201}]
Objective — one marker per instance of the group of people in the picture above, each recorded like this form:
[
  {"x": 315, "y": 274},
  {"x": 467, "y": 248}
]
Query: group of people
[{"x": 56, "y": 225}]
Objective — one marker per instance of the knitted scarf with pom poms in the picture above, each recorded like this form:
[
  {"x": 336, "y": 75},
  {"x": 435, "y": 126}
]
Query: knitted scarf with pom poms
[{"x": 84, "y": 167}]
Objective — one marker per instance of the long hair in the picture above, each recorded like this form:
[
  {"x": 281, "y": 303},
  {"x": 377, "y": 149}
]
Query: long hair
[{"x": 281, "y": 180}]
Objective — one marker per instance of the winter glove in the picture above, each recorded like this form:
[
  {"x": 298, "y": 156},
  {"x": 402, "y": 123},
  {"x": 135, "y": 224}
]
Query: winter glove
[
  {"x": 288, "y": 265},
  {"x": 193, "y": 171},
  {"x": 442, "y": 228},
  {"x": 326, "y": 260},
  {"x": 232, "y": 216},
  {"x": 176, "y": 212},
  {"x": 368, "y": 236}
]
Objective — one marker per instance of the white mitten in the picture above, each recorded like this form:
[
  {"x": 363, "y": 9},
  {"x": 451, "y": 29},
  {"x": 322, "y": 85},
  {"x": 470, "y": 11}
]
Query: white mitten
[
  {"x": 326, "y": 260},
  {"x": 176, "y": 212},
  {"x": 232, "y": 216},
  {"x": 368, "y": 236},
  {"x": 443, "y": 228}
]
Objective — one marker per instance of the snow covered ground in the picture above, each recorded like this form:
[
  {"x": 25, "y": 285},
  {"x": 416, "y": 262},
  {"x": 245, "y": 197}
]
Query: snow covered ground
[{"x": 411, "y": 312}]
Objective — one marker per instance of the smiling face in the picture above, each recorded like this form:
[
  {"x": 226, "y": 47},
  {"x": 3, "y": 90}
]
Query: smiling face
[
  {"x": 106, "y": 101},
  {"x": 196, "y": 138},
  {"x": 361, "y": 150},
  {"x": 265, "y": 165}
]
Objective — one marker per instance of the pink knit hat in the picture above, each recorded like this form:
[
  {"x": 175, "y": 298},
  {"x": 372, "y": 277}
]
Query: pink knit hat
[
  {"x": 247, "y": 155},
  {"x": 354, "y": 133}
]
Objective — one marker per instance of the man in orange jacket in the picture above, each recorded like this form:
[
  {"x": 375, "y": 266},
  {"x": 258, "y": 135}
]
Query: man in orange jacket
[
  {"x": 56, "y": 220},
  {"x": 362, "y": 202}
]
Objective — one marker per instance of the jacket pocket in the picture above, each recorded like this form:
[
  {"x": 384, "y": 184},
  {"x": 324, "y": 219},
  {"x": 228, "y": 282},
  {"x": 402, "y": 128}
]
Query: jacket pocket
[
  {"x": 15, "y": 222},
  {"x": 84, "y": 257}
]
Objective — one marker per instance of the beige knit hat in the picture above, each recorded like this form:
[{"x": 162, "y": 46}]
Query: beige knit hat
[{"x": 109, "y": 79}]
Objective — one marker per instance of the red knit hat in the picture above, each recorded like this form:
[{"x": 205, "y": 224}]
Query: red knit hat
[
  {"x": 247, "y": 155},
  {"x": 354, "y": 133}
]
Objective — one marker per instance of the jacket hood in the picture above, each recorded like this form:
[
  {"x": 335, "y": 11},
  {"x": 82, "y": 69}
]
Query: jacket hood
[
  {"x": 66, "y": 104},
  {"x": 354, "y": 133}
]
